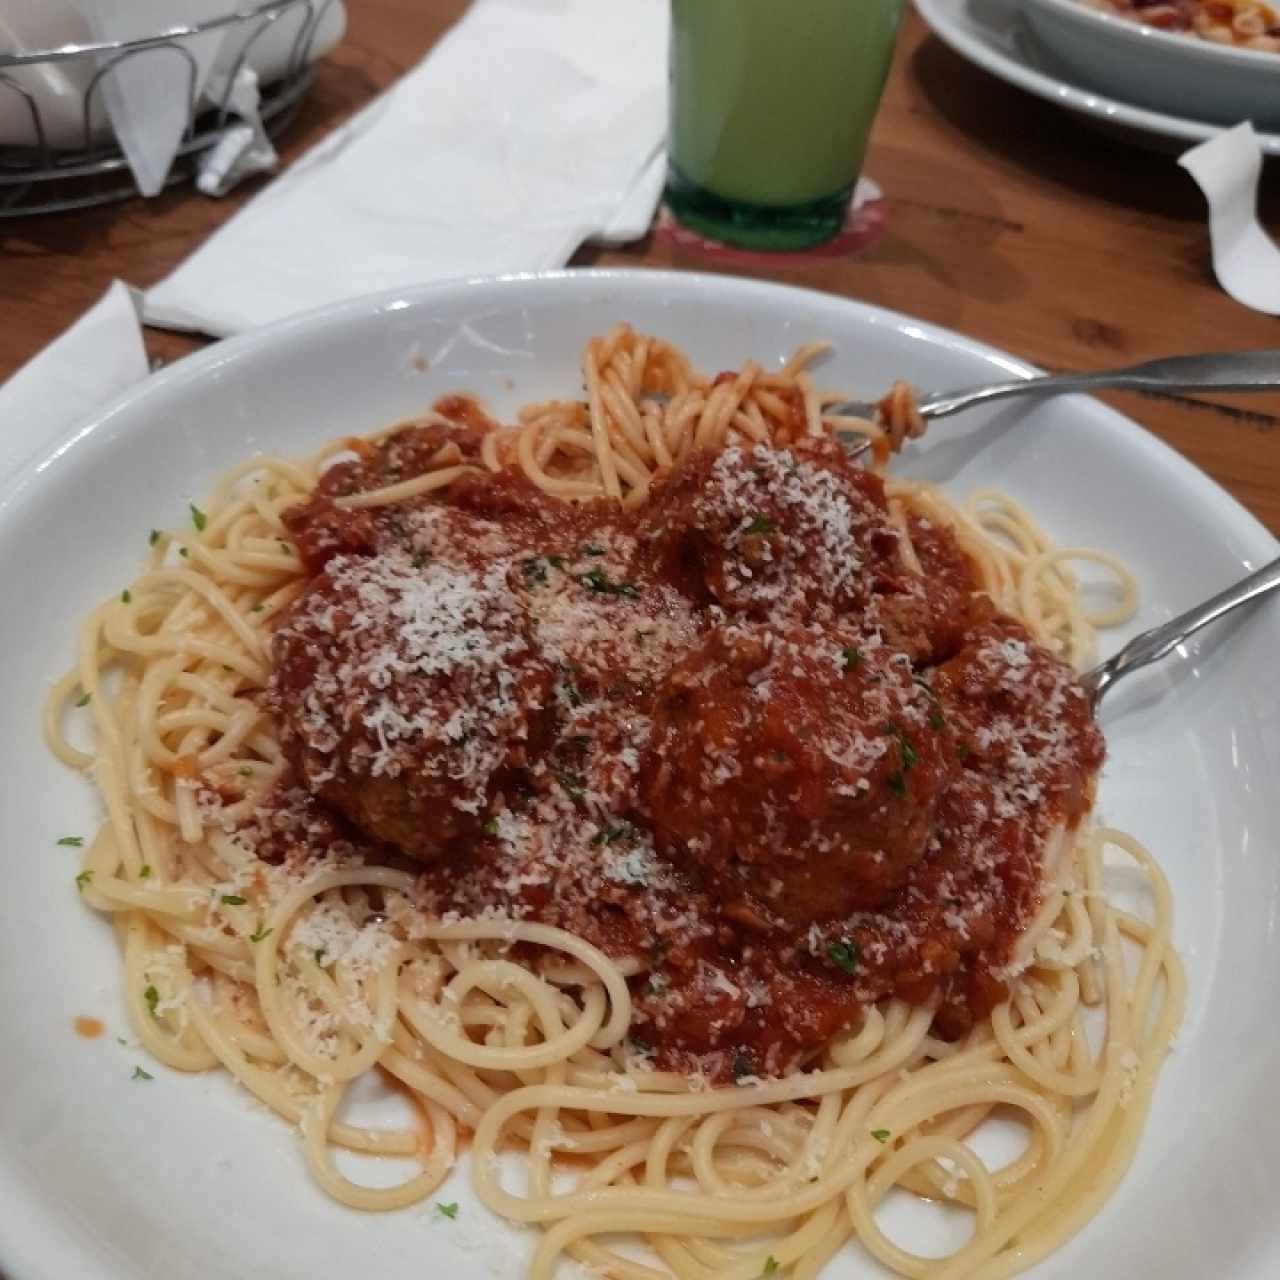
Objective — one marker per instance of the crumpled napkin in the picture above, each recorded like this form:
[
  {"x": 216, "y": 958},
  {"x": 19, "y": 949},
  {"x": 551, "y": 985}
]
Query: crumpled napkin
[
  {"x": 244, "y": 148},
  {"x": 98, "y": 357},
  {"x": 1245, "y": 259},
  {"x": 531, "y": 127}
]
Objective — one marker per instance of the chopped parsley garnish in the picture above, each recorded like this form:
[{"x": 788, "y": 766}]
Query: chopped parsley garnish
[
  {"x": 658, "y": 949},
  {"x": 598, "y": 581},
  {"x": 571, "y": 692},
  {"x": 419, "y": 559},
  {"x": 125, "y": 597},
  {"x": 257, "y": 608},
  {"x": 897, "y": 784},
  {"x": 144, "y": 872},
  {"x": 607, "y": 835},
  {"x": 73, "y": 842},
  {"x": 153, "y": 537},
  {"x": 139, "y": 1074},
  {"x": 320, "y": 954},
  {"x": 232, "y": 900},
  {"x": 880, "y": 1135},
  {"x": 962, "y": 752},
  {"x": 184, "y": 553},
  {"x": 843, "y": 954},
  {"x": 198, "y": 518},
  {"x": 449, "y": 1210},
  {"x": 589, "y": 549},
  {"x": 907, "y": 751},
  {"x": 244, "y": 771},
  {"x": 490, "y": 828},
  {"x": 770, "y": 1266},
  {"x": 83, "y": 700},
  {"x": 571, "y": 783},
  {"x": 534, "y": 571},
  {"x": 743, "y": 1063},
  {"x": 152, "y": 997},
  {"x": 850, "y": 658},
  {"x": 555, "y": 561},
  {"x": 259, "y": 935},
  {"x": 83, "y": 879},
  {"x": 761, "y": 524},
  {"x": 935, "y": 704}
]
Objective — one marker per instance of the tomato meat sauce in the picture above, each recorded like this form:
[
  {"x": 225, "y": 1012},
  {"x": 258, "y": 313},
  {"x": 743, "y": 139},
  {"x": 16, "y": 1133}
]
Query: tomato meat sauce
[{"x": 763, "y": 734}]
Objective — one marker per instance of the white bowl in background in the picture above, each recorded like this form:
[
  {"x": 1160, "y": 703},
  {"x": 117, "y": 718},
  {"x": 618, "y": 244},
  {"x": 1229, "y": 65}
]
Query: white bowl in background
[
  {"x": 992, "y": 34},
  {"x": 1166, "y": 71}
]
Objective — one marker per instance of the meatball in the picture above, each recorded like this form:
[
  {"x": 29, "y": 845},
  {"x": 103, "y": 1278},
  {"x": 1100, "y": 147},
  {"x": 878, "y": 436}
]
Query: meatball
[
  {"x": 321, "y": 530},
  {"x": 406, "y": 695},
  {"x": 929, "y": 614},
  {"x": 797, "y": 769},
  {"x": 409, "y": 451},
  {"x": 766, "y": 533},
  {"x": 1022, "y": 719}
]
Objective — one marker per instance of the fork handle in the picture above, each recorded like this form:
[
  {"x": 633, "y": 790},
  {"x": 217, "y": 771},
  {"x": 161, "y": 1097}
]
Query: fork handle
[{"x": 1226, "y": 371}]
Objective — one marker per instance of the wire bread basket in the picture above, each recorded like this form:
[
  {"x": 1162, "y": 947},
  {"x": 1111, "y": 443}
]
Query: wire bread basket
[{"x": 43, "y": 178}]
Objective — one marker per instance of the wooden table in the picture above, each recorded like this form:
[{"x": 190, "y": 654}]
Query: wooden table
[{"x": 1008, "y": 220}]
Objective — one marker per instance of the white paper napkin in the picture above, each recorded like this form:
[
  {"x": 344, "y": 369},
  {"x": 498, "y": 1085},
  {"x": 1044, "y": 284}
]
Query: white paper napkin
[
  {"x": 148, "y": 94},
  {"x": 98, "y": 357},
  {"x": 1245, "y": 259},
  {"x": 532, "y": 126}
]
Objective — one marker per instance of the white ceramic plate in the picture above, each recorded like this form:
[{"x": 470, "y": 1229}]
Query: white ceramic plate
[
  {"x": 183, "y": 1177},
  {"x": 992, "y": 34},
  {"x": 1163, "y": 70}
]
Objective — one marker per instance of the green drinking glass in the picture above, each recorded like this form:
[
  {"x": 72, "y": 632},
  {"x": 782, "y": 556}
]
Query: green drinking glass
[{"x": 771, "y": 106}]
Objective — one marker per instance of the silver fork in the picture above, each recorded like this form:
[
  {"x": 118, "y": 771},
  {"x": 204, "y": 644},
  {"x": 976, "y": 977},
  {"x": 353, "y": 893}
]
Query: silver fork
[
  {"x": 1153, "y": 645},
  {"x": 1223, "y": 371}
]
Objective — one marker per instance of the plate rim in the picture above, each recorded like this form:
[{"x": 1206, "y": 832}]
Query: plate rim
[{"x": 937, "y": 16}]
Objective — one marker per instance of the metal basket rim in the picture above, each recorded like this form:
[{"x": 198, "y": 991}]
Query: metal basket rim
[{"x": 65, "y": 53}]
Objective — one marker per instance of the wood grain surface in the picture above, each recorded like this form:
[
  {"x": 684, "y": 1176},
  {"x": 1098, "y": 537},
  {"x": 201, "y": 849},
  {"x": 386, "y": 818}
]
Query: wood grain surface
[{"x": 1008, "y": 219}]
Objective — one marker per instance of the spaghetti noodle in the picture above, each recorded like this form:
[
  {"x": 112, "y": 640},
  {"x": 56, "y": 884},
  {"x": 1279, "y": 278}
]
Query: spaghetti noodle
[{"x": 299, "y": 976}]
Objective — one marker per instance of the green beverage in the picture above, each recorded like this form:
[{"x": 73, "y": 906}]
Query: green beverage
[{"x": 771, "y": 105}]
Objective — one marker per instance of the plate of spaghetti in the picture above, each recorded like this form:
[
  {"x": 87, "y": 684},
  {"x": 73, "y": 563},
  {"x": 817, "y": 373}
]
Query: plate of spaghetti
[
  {"x": 518, "y": 797},
  {"x": 1210, "y": 59},
  {"x": 1147, "y": 84}
]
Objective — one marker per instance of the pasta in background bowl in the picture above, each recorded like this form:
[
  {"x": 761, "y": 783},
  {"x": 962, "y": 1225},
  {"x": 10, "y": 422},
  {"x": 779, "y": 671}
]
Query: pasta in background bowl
[{"x": 1196, "y": 71}]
